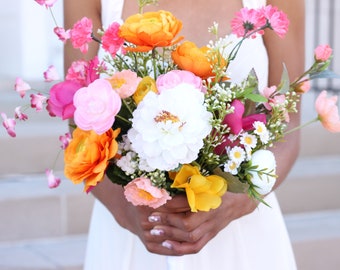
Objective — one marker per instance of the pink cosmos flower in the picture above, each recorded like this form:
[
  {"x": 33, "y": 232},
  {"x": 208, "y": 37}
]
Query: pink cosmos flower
[
  {"x": 277, "y": 20},
  {"x": 96, "y": 106},
  {"x": 21, "y": 87},
  {"x": 37, "y": 101},
  {"x": 19, "y": 115},
  {"x": 269, "y": 93},
  {"x": 47, "y": 3},
  {"x": 124, "y": 83},
  {"x": 247, "y": 20},
  {"x": 140, "y": 191},
  {"x": 322, "y": 53},
  {"x": 51, "y": 74},
  {"x": 65, "y": 140},
  {"x": 84, "y": 72},
  {"x": 60, "y": 102},
  {"x": 81, "y": 34},
  {"x": 111, "y": 41},
  {"x": 328, "y": 112},
  {"x": 9, "y": 124},
  {"x": 175, "y": 77},
  {"x": 62, "y": 34},
  {"x": 53, "y": 181}
]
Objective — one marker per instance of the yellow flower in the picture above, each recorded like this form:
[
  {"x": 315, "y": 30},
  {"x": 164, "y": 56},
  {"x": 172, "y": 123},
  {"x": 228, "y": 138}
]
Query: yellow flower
[
  {"x": 146, "y": 85},
  {"x": 203, "y": 193}
]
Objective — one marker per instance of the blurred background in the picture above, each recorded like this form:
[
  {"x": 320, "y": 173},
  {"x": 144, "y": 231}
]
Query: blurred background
[{"x": 46, "y": 229}]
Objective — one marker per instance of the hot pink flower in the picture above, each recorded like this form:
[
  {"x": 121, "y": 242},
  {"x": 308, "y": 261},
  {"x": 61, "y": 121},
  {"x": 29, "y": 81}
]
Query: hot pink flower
[
  {"x": 247, "y": 20},
  {"x": 65, "y": 140},
  {"x": 51, "y": 74},
  {"x": 37, "y": 101},
  {"x": 96, "y": 106},
  {"x": 60, "y": 102},
  {"x": 81, "y": 34},
  {"x": 140, "y": 191},
  {"x": 111, "y": 41},
  {"x": 175, "y": 77},
  {"x": 322, "y": 53},
  {"x": 53, "y": 181},
  {"x": 19, "y": 115},
  {"x": 47, "y": 3},
  {"x": 62, "y": 34},
  {"x": 124, "y": 83},
  {"x": 277, "y": 20},
  {"x": 9, "y": 124},
  {"x": 328, "y": 112},
  {"x": 21, "y": 87},
  {"x": 83, "y": 71}
]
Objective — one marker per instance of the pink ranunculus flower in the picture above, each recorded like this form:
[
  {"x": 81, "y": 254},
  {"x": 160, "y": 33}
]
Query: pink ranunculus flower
[
  {"x": 9, "y": 124},
  {"x": 60, "y": 102},
  {"x": 65, "y": 140},
  {"x": 124, "y": 83},
  {"x": 81, "y": 34},
  {"x": 21, "y": 86},
  {"x": 53, "y": 181},
  {"x": 47, "y": 3},
  {"x": 37, "y": 101},
  {"x": 19, "y": 115},
  {"x": 51, "y": 74},
  {"x": 111, "y": 41},
  {"x": 246, "y": 21},
  {"x": 175, "y": 77},
  {"x": 328, "y": 112},
  {"x": 322, "y": 53},
  {"x": 140, "y": 191},
  {"x": 277, "y": 20},
  {"x": 96, "y": 106},
  {"x": 62, "y": 34}
]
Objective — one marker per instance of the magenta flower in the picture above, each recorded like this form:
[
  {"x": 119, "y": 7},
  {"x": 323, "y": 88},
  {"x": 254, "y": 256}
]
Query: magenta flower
[
  {"x": 84, "y": 72},
  {"x": 19, "y": 115},
  {"x": 81, "y": 34},
  {"x": 322, "y": 53},
  {"x": 47, "y": 3},
  {"x": 277, "y": 20},
  {"x": 51, "y": 74},
  {"x": 53, "y": 181},
  {"x": 111, "y": 41},
  {"x": 247, "y": 20},
  {"x": 62, "y": 34},
  {"x": 37, "y": 101},
  {"x": 9, "y": 124},
  {"x": 328, "y": 112},
  {"x": 21, "y": 87},
  {"x": 65, "y": 140},
  {"x": 96, "y": 106},
  {"x": 60, "y": 102},
  {"x": 140, "y": 191},
  {"x": 176, "y": 77}
]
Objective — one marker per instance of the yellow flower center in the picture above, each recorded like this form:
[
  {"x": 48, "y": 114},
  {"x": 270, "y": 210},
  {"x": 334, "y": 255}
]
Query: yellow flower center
[
  {"x": 165, "y": 116},
  {"x": 248, "y": 140},
  {"x": 117, "y": 83}
]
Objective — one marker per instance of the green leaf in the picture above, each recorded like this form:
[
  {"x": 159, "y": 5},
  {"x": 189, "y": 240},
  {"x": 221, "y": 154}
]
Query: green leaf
[
  {"x": 326, "y": 74},
  {"x": 117, "y": 175},
  {"x": 256, "y": 98},
  {"x": 285, "y": 82},
  {"x": 234, "y": 183}
]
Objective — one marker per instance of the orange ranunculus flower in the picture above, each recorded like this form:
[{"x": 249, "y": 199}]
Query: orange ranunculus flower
[
  {"x": 203, "y": 192},
  {"x": 197, "y": 60},
  {"x": 150, "y": 30},
  {"x": 87, "y": 156},
  {"x": 146, "y": 85}
]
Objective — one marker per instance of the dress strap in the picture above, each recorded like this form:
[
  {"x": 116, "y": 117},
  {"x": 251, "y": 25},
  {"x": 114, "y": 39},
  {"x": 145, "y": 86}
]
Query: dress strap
[
  {"x": 254, "y": 3},
  {"x": 111, "y": 11}
]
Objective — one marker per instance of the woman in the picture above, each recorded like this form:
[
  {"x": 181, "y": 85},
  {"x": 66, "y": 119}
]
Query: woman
[{"x": 239, "y": 234}]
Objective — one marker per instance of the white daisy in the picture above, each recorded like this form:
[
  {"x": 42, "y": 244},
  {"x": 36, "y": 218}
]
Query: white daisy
[
  {"x": 248, "y": 140},
  {"x": 262, "y": 131},
  {"x": 231, "y": 167},
  {"x": 237, "y": 154},
  {"x": 168, "y": 128}
]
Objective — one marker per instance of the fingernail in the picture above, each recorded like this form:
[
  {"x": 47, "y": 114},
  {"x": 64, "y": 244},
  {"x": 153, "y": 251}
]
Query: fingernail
[
  {"x": 154, "y": 218},
  {"x": 157, "y": 232},
  {"x": 167, "y": 245}
]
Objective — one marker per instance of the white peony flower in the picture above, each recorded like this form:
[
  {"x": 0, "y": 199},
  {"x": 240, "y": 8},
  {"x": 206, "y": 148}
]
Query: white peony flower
[
  {"x": 265, "y": 160},
  {"x": 168, "y": 128}
]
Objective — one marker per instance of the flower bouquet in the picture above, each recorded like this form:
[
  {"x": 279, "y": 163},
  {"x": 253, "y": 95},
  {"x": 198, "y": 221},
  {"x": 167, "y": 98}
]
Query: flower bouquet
[{"x": 160, "y": 116}]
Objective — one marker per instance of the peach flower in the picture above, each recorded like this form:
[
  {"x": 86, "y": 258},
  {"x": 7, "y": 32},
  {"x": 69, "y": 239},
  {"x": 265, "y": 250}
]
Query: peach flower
[
  {"x": 328, "y": 113},
  {"x": 124, "y": 83},
  {"x": 87, "y": 156}
]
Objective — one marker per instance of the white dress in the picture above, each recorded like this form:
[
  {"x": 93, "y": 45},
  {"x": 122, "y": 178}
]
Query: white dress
[{"x": 256, "y": 241}]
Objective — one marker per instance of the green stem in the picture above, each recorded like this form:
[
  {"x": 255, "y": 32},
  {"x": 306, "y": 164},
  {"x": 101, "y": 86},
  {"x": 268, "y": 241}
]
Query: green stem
[
  {"x": 123, "y": 119},
  {"x": 53, "y": 17},
  {"x": 302, "y": 126}
]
